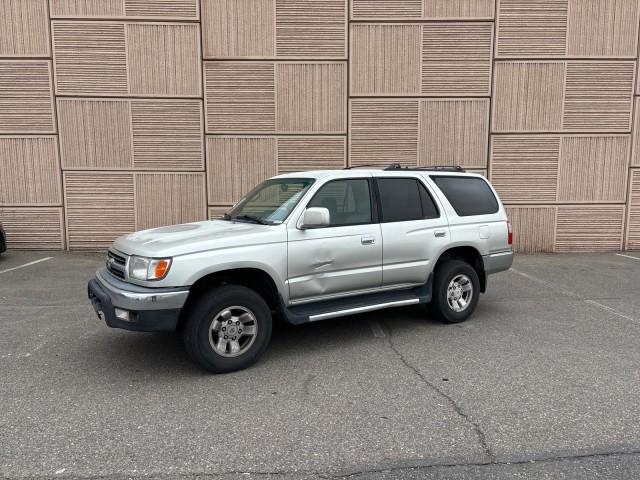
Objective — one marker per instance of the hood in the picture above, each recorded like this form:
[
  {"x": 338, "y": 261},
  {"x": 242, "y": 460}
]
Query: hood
[{"x": 195, "y": 237}]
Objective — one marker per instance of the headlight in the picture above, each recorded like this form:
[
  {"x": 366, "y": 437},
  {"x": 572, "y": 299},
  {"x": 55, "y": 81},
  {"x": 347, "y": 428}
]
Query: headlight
[{"x": 143, "y": 268}]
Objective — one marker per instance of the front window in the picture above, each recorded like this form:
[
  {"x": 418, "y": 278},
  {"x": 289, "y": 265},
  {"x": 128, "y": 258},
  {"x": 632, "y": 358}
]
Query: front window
[
  {"x": 270, "y": 202},
  {"x": 348, "y": 201}
]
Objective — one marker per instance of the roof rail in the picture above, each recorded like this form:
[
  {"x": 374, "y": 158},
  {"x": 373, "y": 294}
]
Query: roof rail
[
  {"x": 365, "y": 165},
  {"x": 444, "y": 168},
  {"x": 398, "y": 166}
]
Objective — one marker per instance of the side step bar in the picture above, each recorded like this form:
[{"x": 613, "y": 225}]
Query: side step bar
[
  {"x": 368, "y": 308},
  {"x": 340, "y": 307}
]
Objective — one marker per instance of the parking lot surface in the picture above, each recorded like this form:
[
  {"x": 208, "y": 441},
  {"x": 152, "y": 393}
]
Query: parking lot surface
[{"x": 542, "y": 382}]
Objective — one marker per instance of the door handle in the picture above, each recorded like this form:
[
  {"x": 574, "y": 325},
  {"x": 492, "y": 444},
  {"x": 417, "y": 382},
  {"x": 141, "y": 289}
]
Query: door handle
[
  {"x": 367, "y": 240},
  {"x": 440, "y": 233}
]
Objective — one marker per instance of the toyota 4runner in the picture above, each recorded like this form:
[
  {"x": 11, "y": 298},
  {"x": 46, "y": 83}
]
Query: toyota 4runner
[{"x": 309, "y": 246}]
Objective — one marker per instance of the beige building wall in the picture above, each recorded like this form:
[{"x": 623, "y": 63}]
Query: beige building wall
[{"x": 117, "y": 115}]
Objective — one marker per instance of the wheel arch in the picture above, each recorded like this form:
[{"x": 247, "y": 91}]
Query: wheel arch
[
  {"x": 253, "y": 278},
  {"x": 468, "y": 254}
]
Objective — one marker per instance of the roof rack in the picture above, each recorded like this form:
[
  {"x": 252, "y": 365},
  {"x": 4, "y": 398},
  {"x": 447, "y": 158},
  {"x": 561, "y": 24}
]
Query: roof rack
[
  {"x": 397, "y": 166},
  {"x": 365, "y": 165},
  {"x": 443, "y": 168}
]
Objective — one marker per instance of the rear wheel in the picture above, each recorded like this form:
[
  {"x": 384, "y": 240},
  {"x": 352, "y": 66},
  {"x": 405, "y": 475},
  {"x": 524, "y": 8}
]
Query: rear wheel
[
  {"x": 456, "y": 290},
  {"x": 228, "y": 329}
]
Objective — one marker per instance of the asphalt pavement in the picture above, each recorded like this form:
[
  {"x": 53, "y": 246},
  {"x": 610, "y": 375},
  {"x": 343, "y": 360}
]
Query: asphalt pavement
[{"x": 542, "y": 382}]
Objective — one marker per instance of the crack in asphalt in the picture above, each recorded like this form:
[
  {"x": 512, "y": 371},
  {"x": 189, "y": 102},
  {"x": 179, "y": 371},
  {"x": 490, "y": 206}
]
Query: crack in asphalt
[
  {"x": 482, "y": 440},
  {"x": 309, "y": 474},
  {"x": 524, "y": 461}
]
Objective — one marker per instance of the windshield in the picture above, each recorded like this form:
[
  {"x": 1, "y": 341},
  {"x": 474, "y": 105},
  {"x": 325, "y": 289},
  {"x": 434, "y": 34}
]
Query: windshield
[{"x": 271, "y": 201}]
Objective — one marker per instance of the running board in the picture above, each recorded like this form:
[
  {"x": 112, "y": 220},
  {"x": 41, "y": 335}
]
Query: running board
[
  {"x": 369, "y": 308},
  {"x": 340, "y": 307}
]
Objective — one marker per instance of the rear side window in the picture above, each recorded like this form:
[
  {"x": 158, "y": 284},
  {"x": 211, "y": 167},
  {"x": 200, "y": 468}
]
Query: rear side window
[
  {"x": 467, "y": 195},
  {"x": 405, "y": 199}
]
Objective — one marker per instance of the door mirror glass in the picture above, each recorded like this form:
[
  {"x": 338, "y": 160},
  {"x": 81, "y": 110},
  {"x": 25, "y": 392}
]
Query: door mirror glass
[{"x": 316, "y": 217}]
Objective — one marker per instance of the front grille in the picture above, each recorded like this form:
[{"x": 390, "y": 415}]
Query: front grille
[{"x": 116, "y": 264}]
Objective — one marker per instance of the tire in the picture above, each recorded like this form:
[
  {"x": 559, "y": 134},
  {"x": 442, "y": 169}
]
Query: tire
[
  {"x": 464, "y": 274},
  {"x": 242, "y": 307}
]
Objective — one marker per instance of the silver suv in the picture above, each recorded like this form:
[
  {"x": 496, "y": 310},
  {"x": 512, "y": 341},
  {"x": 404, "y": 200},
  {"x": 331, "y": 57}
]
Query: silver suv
[{"x": 309, "y": 246}]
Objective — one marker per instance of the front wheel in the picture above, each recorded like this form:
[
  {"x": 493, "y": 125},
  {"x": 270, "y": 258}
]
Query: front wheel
[
  {"x": 456, "y": 290},
  {"x": 228, "y": 329}
]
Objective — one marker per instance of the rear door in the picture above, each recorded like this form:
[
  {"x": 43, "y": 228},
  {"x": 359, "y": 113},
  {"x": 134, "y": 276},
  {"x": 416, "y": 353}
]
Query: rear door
[{"x": 414, "y": 230}]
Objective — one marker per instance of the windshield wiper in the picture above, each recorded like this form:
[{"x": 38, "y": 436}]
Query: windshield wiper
[
  {"x": 251, "y": 218},
  {"x": 226, "y": 216}
]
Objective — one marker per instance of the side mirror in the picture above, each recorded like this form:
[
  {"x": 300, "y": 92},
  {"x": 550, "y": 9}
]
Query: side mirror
[{"x": 315, "y": 217}]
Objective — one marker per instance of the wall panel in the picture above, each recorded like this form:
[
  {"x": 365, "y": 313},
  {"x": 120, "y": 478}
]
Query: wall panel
[
  {"x": 248, "y": 160},
  {"x": 453, "y": 132},
  {"x": 385, "y": 59},
  {"x": 533, "y": 228},
  {"x": 164, "y": 60},
  {"x": 95, "y": 134},
  {"x": 589, "y": 228},
  {"x": 100, "y": 206},
  {"x": 86, "y": 8},
  {"x": 167, "y": 134},
  {"x": 633, "y": 220},
  {"x": 593, "y": 169},
  {"x": 311, "y": 97},
  {"x": 311, "y": 28},
  {"x": 602, "y": 28},
  {"x": 456, "y": 59},
  {"x": 525, "y": 168},
  {"x": 30, "y": 171},
  {"x": 240, "y": 97},
  {"x": 26, "y": 97},
  {"x": 238, "y": 28},
  {"x": 528, "y": 96},
  {"x": 33, "y": 228},
  {"x": 300, "y": 153},
  {"x": 90, "y": 58},
  {"x": 24, "y": 28},
  {"x": 383, "y": 131},
  {"x": 169, "y": 198},
  {"x": 236, "y": 164},
  {"x": 598, "y": 96}
]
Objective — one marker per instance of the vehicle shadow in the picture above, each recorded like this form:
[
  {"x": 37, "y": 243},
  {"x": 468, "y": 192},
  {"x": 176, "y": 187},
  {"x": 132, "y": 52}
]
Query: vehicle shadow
[{"x": 163, "y": 354}]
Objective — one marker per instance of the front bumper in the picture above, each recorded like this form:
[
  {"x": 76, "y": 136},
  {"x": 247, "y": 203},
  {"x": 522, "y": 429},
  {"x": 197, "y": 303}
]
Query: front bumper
[
  {"x": 149, "y": 309},
  {"x": 498, "y": 262}
]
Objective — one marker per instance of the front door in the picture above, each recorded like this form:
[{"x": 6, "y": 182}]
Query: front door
[{"x": 343, "y": 258}]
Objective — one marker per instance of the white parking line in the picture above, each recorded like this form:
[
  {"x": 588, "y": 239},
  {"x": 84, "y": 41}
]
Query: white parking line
[
  {"x": 376, "y": 329},
  {"x": 572, "y": 294},
  {"x": 25, "y": 265},
  {"x": 627, "y": 256},
  {"x": 612, "y": 310},
  {"x": 543, "y": 282}
]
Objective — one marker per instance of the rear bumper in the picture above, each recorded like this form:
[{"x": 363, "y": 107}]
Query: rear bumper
[
  {"x": 148, "y": 309},
  {"x": 498, "y": 262}
]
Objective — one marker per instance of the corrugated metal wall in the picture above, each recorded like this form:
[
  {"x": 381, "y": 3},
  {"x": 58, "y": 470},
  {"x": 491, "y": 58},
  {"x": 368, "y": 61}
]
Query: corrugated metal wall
[{"x": 117, "y": 115}]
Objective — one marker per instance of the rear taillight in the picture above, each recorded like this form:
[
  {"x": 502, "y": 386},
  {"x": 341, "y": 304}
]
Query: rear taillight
[{"x": 510, "y": 235}]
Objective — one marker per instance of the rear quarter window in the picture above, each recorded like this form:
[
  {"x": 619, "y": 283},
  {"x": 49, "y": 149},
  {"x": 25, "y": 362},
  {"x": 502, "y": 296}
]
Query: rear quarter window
[{"x": 467, "y": 195}]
